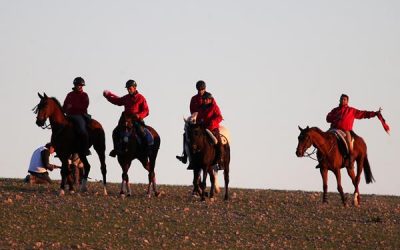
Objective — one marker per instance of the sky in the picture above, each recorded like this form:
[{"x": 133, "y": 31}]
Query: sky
[{"x": 271, "y": 65}]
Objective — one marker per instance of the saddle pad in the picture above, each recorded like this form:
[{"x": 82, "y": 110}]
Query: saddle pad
[
  {"x": 341, "y": 136},
  {"x": 225, "y": 135}
]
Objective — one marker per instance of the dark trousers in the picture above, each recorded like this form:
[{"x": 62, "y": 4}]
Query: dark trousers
[{"x": 43, "y": 176}]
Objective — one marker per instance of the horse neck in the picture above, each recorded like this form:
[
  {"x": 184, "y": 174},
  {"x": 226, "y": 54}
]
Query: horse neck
[
  {"x": 320, "y": 140},
  {"x": 57, "y": 117}
]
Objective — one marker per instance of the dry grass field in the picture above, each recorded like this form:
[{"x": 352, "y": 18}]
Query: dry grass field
[{"x": 35, "y": 217}]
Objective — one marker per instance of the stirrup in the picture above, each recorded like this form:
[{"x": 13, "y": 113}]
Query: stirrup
[
  {"x": 113, "y": 153},
  {"x": 183, "y": 159}
]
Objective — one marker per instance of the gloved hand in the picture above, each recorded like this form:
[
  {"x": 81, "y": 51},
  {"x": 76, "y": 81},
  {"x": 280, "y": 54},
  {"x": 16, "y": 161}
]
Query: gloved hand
[{"x": 106, "y": 93}]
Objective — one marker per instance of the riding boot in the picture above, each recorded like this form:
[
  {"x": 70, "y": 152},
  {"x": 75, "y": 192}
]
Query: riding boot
[
  {"x": 220, "y": 156},
  {"x": 183, "y": 157},
  {"x": 349, "y": 158},
  {"x": 116, "y": 143}
]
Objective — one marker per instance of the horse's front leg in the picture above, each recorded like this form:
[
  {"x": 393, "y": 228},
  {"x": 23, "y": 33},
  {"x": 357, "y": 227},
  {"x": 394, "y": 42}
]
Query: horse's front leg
[
  {"x": 64, "y": 173},
  {"x": 125, "y": 186},
  {"x": 324, "y": 174},
  {"x": 86, "y": 174},
  {"x": 339, "y": 186}
]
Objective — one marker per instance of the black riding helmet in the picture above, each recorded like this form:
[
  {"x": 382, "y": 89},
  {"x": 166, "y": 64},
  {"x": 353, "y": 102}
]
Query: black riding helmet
[
  {"x": 200, "y": 85},
  {"x": 79, "y": 81},
  {"x": 207, "y": 95},
  {"x": 130, "y": 83}
]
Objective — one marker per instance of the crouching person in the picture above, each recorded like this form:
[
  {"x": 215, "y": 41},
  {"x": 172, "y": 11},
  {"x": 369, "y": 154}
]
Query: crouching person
[{"x": 39, "y": 165}]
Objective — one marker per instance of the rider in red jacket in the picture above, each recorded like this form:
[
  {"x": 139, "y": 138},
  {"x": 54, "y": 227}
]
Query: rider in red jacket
[
  {"x": 342, "y": 117},
  {"x": 210, "y": 117},
  {"x": 75, "y": 106},
  {"x": 135, "y": 105},
  {"x": 195, "y": 103}
]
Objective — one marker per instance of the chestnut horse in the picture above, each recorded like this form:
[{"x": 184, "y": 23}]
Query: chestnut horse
[
  {"x": 203, "y": 155},
  {"x": 133, "y": 149},
  {"x": 66, "y": 140},
  {"x": 330, "y": 158}
]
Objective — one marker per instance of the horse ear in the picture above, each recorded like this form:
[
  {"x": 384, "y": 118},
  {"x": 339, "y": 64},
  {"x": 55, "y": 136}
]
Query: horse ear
[
  {"x": 300, "y": 129},
  {"x": 308, "y": 127},
  {"x": 44, "y": 94},
  {"x": 40, "y": 96}
]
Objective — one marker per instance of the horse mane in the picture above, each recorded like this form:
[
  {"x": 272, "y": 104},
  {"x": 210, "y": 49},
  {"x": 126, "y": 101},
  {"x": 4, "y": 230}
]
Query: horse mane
[{"x": 58, "y": 103}]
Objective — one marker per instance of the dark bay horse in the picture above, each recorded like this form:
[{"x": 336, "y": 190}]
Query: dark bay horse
[
  {"x": 330, "y": 158},
  {"x": 66, "y": 141},
  {"x": 203, "y": 154},
  {"x": 134, "y": 150}
]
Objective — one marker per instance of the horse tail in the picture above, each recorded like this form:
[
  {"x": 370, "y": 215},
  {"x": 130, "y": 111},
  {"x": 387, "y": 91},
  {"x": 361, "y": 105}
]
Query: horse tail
[{"x": 367, "y": 171}]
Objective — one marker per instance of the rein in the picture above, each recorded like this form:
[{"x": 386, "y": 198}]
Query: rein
[{"x": 309, "y": 155}]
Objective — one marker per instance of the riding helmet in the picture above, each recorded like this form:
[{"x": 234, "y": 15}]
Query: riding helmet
[
  {"x": 130, "y": 83},
  {"x": 207, "y": 95},
  {"x": 200, "y": 85},
  {"x": 79, "y": 81}
]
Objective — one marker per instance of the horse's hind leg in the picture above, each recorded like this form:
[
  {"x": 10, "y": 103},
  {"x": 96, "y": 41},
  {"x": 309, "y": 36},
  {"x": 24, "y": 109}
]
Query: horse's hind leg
[
  {"x": 339, "y": 185},
  {"x": 100, "y": 150},
  {"x": 212, "y": 180},
  {"x": 86, "y": 174},
  {"x": 226, "y": 179}
]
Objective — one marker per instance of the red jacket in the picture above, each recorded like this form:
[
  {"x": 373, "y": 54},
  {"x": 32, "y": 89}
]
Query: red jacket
[
  {"x": 76, "y": 103},
  {"x": 134, "y": 104},
  {"x": 210, "y": 116},
  {"x": 342, "y": 117},
  {"x": 195, "y": 103}
]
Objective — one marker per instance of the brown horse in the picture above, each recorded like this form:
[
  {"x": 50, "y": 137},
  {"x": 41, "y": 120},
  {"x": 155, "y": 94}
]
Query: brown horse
[
  {"x": 133, "y": 149},
  {"x": 330, "y": 158},
  {"x": 203, "y": 154},
  {"x": 66, "y": 140}
]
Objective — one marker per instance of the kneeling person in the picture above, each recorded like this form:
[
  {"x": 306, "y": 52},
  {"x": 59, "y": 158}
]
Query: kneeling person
[{"x": 40, "y": 164}]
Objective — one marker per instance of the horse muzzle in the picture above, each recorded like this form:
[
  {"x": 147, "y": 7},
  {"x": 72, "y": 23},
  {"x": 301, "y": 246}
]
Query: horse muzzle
[
  {"x": 299, "y": 153},
  {"x": 40, "y": 123}
]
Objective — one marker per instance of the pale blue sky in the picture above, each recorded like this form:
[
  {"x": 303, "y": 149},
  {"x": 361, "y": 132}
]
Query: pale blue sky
[{"x": 272, "y": 65}]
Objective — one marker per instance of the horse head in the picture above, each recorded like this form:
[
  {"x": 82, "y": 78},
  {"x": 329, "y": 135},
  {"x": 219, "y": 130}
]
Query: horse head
[
  {"x": 42, "y": 110},
  {"x": 196, "y": 136},
  {"x": 304, "y": 141}
]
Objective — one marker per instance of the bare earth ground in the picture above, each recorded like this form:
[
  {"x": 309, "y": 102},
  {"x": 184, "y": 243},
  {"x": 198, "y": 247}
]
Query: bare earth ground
[{"x": 34, "y": 217}]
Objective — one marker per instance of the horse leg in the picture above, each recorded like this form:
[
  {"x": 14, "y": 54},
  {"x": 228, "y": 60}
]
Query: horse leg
[
  {"x": 217, "y": 188},
  {"x": 339, "y": 185},
  {"x": 324, "y": 174},
  {"x": 360, "y": 166},
  {"x": 125, "y": 189},
  {"x": 350, "y": 172},
  {"x": 86, "y": 174},
  {"x": 212, "y": 180},
  {"x": 204, "y": 185},
  {"x": 226, "y": 179},
  {"x": 152, "y": 175},
  {"x": 103, "y": 168},
  {"x": 70, "y": 179},
  {"x": 196, "y": 182},
  {"x": 64, "y": 173}
]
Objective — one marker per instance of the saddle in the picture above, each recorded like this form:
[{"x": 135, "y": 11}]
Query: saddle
[
  {"x": 342, "y": 142},
  {"x": 224, "y": 134}
]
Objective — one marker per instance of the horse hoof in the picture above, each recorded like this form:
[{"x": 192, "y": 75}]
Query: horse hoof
[
  {"x": 61, "y": 193},
  {"x": 105, "y": 192},
  {"x": 157, "y": 194},
  {"x": 122, "y": 196},
  {"x": 212, "y": 199},
  {"x": 72, "y": 192}
]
